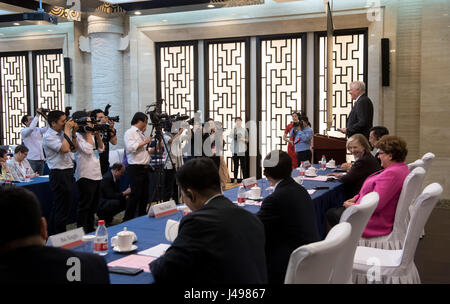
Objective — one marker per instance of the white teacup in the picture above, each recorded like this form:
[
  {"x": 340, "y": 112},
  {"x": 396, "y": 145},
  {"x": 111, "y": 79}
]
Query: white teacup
[
  {"x": 255, "y": 192},
  {"x": 123, "y": 240},
  {"x": 332, "y": 164},
  {"x": 311, "y": 171}
]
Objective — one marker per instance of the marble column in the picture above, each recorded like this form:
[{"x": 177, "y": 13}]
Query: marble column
[{"x": 105, "y": 44}]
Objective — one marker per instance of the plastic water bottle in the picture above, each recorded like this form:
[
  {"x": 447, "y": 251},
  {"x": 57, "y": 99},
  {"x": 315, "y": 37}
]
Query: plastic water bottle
[
  {"x": 323, "y": 163},
  {"x": 241, "y": 196},
  {"x": 301, "y": 171},
  {"x": 101, "y": 239},
  {"x": 27, "y": 175},
  {"x": 7, "y": 177}
]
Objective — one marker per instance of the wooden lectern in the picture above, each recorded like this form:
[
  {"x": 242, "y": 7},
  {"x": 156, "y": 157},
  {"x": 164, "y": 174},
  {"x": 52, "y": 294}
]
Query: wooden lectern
[{"x": 332, "y": 147}]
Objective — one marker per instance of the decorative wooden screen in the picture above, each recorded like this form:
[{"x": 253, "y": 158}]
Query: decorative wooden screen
[
  {"x": 227, "y": 85},
  {"x": 14, "y": 95},
  {"x": 350, "y": 64},
  {"x": 281, "y": 88}
]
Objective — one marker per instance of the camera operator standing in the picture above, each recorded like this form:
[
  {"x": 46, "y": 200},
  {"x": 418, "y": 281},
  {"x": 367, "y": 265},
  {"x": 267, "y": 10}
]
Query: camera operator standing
[
  {"x": 239, "y": 140},
  {"x": 59, "y": 140},
  {"x": 173, "y": 142},
  {"x": 138, "y": 156},
  {"x": 302, "y": 135},
  {"x": 87, "y": 173},
  {"x": 32, "y": 139},
  {"x": 107, "y": 137}
]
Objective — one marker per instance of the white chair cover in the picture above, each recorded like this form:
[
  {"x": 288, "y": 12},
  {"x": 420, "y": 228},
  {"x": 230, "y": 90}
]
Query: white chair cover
[
  {"x": 314, "y": 263},
  {"x": 410, "y": 190},
  {"x": 373, "y": 265},
  {"x": 427, "y": 160},
  {"x": 114, "y": 157},
  {"x": 357, "y": 216},
  {"x": 417, "y": 163},
  {"x": 171, "y": 230}
]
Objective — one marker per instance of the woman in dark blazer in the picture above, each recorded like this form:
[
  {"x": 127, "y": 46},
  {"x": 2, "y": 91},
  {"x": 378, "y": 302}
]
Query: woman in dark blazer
[{"x": 365, "y": 164}]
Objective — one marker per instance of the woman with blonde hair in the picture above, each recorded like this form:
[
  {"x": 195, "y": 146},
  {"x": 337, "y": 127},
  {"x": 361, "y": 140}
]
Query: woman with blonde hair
[{"x": 365, "y": 164}]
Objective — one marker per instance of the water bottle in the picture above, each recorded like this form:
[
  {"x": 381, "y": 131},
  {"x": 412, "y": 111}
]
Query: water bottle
[
  {"x": 323, "y": 163},
  {"x": 7, "y": 177},
  {"x": 241, "y": 196},
  {"x": 101, "y": 239},
  {"x": 301, "y": 171},
  {"x": 27, "y": 175}
]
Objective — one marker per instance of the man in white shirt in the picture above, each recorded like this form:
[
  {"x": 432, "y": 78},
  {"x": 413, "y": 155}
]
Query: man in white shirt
[
  {"x": 59, "y": 140},
  {"x": 138, "y": 157},
  {"x": 32, "y": 139}
]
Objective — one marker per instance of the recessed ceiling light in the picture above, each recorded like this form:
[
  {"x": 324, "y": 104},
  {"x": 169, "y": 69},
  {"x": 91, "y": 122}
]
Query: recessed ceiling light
[
  {"x": 137, "y": 13},
  {"x": 16, "y": 23},
  {"x": 164, "y": 20},
  {"x": 211, "y": 5},
  {"x": 49, "y": 30}
]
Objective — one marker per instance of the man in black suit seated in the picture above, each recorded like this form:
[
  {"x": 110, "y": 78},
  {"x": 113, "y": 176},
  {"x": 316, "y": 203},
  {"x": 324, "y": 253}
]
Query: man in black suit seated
[
  {"x": 288, "y": 216},
  {"x": 24, "y": 258},
  {"x": 361, "y": 116},
  {"x": 112, "y": 200},
  {"x": 218, "y": 243},
  {"x": 375, "y": 135}
]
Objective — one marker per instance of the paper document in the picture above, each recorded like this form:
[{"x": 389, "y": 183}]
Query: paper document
[
  {"x": 155, "y": 251},
  {"x": 311, "y": 191},
  {"x": 321, "y": 178},
  {"x": 134, "y": 261}
]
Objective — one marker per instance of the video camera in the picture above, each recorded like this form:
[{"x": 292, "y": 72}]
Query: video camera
[
  {"x": 161, "y": 119},
  {"x": 112, "y": 118}
]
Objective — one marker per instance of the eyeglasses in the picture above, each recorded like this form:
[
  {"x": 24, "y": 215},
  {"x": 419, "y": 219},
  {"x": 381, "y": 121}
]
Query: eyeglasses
[{"x": 381, "y": 152}]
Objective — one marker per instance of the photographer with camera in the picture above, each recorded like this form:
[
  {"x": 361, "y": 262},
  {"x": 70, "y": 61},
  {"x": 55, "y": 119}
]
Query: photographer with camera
[
  {"x": 239, "y": 140},
  {"x": 138, "y": 157},
  {"x": 108, "y": 135},
  {"x": 174, "y": 162},
  {"x": 59, "y": 140},
  {"x": 302, "y": 135},
  {"x": 32, "y": 139},
  {"x": 87, "y": 173}
]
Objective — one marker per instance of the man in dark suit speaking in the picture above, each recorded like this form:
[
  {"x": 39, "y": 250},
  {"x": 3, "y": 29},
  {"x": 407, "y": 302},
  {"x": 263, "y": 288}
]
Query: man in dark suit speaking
[
  {"x": 288, "y": 216},
  {"x": 218, "y": 243},
  {"x": 24, "y": 258},
  {"x": 361, "y": 116}
]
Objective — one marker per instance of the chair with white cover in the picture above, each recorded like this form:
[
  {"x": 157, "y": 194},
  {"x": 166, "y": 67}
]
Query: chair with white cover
[
  {"x": 417, "y": 163},
  {"x": 410, "y": 190},
  {"x": 373, "y": 265},
  {"x": 314, "y": 263},
  {"x": 357, "y": 216},
  {"x": 114, "y": 157},
  {"x": 427, "y": 159}
]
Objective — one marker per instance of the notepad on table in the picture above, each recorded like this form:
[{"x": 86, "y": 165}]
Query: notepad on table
[
  {"x": 134, "y": 261},
  {"x": 155, "y": 251}
]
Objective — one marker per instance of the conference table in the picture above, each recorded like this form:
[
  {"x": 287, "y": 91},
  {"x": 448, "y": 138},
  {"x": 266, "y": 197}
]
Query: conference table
[{"x": 150, "y": 231}]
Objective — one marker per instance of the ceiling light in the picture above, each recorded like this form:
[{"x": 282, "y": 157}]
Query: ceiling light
[
  {"x": 16, "y": 23},
  {"x": 137, "y": 13},
  {"x": 211, "y": 5}
]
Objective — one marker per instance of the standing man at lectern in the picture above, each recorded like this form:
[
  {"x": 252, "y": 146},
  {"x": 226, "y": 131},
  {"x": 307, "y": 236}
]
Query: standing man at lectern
[{"x": 361, "y": 116}]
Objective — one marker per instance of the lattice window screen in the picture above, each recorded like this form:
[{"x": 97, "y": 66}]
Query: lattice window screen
[
  {"x": 348, "y": 58},
  {"x": 177, "y": 74},
  {"x": 227, "y": 87},
  {"x": 14, "y": 96},
  {"x": 281, "y": 89},
  {"x": 49, "y": 84}
]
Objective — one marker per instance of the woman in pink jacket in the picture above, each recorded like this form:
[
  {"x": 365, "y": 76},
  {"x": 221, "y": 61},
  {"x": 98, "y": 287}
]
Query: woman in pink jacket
[{"x": 387, "y": 183}]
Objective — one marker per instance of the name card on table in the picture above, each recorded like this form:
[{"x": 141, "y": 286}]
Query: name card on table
[
  {"x": 249, "y": 182},
  {"x": 68, "y": 239},
  {"x": 163, "y": 209}
]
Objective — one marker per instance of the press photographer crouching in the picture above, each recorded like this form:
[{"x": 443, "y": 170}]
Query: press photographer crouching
[
  {"x": 88, "y": 173},
  {"x": 108, "y": 134},
  {"x": 112, "y": 200}
]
